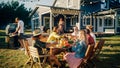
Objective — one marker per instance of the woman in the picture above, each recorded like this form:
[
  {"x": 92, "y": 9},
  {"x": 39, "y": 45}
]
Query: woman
[
  {"x": 75, "y": 58},
  {"x": 89, "y": 38},
  {"x": 91, "y": 32},
  {"x": 75, "y": 34},
  {"x": 61, "y": 26},
  {"x": 53, "y": 36}
]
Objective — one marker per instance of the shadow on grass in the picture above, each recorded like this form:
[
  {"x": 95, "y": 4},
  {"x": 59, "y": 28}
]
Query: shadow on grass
[{"x": 110, "y": 60}]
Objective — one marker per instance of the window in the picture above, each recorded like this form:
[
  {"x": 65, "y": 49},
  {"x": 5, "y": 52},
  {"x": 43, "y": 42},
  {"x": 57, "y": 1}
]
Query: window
[
  {"x": 46, "y": 21},
  {"x": 108, "y": 21},
  {"x": 100, "y": 22},
  {"x": 119, "y": 21},
  {"x": 83, "y": 21},
  {"x": 36, "y": 23},
  {"x": 104, "y": 4},
  {"x": 74, "y": 21},
  {"x": 88, "y": 21}
]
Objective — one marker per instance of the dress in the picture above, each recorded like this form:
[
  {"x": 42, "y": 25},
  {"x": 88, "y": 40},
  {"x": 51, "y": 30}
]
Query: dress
[{"x": 75, "y": 58}]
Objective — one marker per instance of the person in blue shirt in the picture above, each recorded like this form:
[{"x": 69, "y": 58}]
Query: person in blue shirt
[{"x": 79, "y": 49}]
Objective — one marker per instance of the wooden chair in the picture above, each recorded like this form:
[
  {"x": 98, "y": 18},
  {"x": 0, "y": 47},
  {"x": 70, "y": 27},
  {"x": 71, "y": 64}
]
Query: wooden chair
[
  {"x": 98, "y": 48},
  {"x": 88, "y": 54},
  {"x": 36, "y": 58},
  {"x": 27, "y": 52},
  {"x": 96, "y": 51}
]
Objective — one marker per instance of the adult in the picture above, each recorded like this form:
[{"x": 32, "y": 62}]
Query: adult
[
  {"x": 79, "y": 49},
  {"x": 91, "y": 32},
  {"x": 61, "y": 22},
  {"x": 89, "y": 38},
  {"x": 37, "y": 35},
  {"x": 75, "y": 34},
  {"x": 20, "y": 31},
  {"x": 61, "y": 26}
]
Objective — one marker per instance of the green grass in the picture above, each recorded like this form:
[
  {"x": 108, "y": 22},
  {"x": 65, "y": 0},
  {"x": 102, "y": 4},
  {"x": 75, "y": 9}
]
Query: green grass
[{"x": 109, "y": 57}]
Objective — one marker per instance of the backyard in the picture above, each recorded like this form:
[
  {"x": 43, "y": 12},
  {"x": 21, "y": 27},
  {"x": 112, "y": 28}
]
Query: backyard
[{"x": 109, "y": 56}]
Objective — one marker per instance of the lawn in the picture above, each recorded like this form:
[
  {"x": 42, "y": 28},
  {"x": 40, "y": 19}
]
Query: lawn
[{"x": 109, "y": 57}]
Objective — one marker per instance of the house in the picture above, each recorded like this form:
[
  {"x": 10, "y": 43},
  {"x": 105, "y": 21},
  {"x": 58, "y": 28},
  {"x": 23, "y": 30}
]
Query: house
[
  {"x": 50, "y": 12},
  {"x": 104, "y": 15}
]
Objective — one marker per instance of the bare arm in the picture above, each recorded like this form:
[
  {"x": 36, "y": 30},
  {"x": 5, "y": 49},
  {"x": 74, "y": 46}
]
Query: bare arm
[{"x": 17, "y": 29}]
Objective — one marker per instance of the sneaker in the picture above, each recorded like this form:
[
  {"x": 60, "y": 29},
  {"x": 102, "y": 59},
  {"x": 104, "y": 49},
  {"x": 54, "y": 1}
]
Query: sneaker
[{"x": 22, "y": 49}]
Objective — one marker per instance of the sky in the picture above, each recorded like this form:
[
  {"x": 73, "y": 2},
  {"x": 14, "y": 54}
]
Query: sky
[
  {"x": 32, "y": 4},
  {"x": 27, "y": 5}
]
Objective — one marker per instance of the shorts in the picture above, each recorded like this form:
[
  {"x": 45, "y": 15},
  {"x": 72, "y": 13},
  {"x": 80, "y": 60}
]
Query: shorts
[{"x": 21, "y": 36}]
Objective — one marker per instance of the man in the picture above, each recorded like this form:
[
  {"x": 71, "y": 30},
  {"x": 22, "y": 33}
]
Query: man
[
  {"x": 37, "y": 36},
  {"x": 20, "y": 31}
]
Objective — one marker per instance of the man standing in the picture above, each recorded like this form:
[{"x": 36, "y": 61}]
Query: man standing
[{"x": 20, "y": 31}]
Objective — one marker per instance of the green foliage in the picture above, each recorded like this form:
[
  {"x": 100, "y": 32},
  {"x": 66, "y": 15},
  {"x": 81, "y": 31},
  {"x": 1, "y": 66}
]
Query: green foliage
[{"x": 10, "y": 10}]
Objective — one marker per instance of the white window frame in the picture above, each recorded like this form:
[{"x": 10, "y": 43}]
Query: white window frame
[
  {"x": 45, "y": 19},
  {"x": 36, "y": 23},
  {"x": 49, "y": 20},
  {"x": 84, "y": 20},
  {"x": 71, "y": 21},
  {"x": 118, "y": 25},
  {"x": 112, "y": 21}
]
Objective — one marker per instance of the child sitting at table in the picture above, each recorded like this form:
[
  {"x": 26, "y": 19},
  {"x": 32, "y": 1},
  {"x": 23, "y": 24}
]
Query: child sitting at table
[
  {"x": 79, "y": 48},
  {"x": 53, "y": 37}
]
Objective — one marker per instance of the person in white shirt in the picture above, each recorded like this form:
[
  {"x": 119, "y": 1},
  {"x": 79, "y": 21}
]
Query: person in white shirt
[
  {"x": 76, "y": 31},
  {"x": 91, "y": 32},
  {"x": 20, "y": 31},
  {"x": 75, "y": 34}
]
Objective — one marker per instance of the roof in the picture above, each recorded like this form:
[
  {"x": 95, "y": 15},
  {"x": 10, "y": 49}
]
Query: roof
[{"x": 58, "y": 6}]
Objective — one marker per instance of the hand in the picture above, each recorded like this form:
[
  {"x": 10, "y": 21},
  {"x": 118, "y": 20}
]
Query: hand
[{"x": 14, "y": 32}]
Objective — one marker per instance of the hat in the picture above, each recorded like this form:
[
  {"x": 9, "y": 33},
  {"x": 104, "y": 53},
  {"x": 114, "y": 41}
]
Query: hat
[
  {"x": 89, "y": 26},
  {"x": 37, "y": 32}
]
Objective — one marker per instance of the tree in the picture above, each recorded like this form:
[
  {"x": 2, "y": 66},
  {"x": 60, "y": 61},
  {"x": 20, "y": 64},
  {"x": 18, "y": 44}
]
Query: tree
[{"x": 10, "y": 10}]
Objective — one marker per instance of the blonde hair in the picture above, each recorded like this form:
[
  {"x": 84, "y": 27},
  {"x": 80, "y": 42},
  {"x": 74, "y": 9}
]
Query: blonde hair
[{"x": 82, "y": 36}]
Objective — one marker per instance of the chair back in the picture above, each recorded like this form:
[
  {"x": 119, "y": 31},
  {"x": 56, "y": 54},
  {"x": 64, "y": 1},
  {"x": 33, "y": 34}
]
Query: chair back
[
  {"x": 33, "y": 52},
  {"x": 89, "y": 52},
  {"x": 99, "y": 44},
  {"x": 98, "y": 48}
]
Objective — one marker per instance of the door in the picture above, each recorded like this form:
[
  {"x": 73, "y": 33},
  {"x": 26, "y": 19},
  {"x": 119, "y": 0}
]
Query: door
[{"x": 100, "y": 25}]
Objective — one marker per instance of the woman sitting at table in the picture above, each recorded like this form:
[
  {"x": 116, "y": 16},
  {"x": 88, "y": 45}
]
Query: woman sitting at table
[
  {"x": 75, "y": 34},
  {"x": 79, "y": 48},
  {"x": 76, "y": 31},
  {"x": 53, "y": 37},
  {"x": 89, "y": 38}
]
